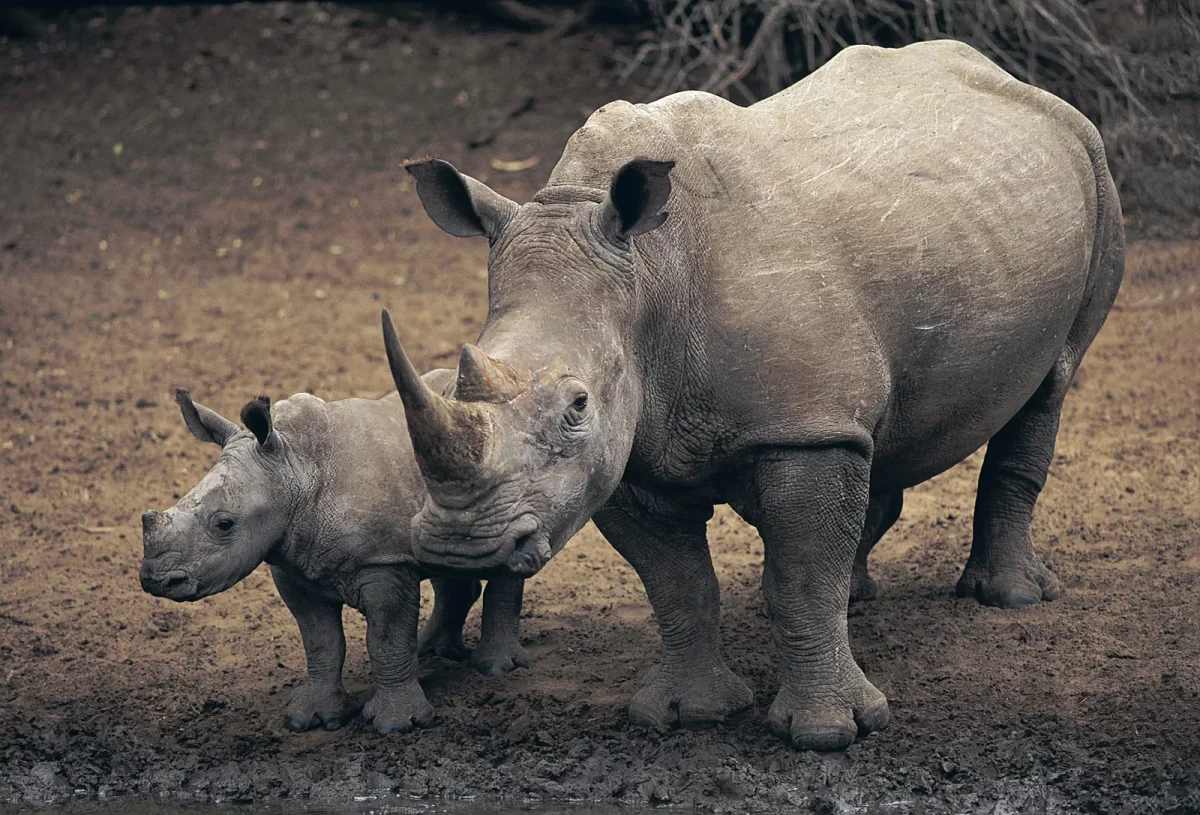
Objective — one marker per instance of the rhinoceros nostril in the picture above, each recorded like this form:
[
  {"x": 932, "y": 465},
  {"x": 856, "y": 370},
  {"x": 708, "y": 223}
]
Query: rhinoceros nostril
[{"x": 175, "y": 579}]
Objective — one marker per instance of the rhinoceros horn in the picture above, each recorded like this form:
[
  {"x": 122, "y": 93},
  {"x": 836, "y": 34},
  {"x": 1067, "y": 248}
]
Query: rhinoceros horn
[
  {"x": 484, "y": 379},
  {"x": 449, "y": 437}
]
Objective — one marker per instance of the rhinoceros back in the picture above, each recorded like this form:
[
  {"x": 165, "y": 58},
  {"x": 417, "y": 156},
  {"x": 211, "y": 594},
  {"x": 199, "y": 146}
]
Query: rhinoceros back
[{"x": 902, "y": 222}]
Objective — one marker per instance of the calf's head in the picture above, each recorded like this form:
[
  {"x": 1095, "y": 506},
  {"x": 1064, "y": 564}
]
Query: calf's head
[
  {"x": 534, "y": 433},
  {"x": 228, "y": 523}
]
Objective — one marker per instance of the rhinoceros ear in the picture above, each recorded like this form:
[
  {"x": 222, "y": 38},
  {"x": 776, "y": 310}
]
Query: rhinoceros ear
[
  {"x": 256, "y": 416},
  {"x": 459, "y": 204},
  {"x": 206, "y": 425},
  {"x": 636, "y": 198}
]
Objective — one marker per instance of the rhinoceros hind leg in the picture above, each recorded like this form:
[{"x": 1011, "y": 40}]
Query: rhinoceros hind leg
[
  {"x": 666, "y": 544},
  {"x": 882, "y": 512},
  {"x": 1003, "y": 569},
  {"x": 499, "y": 650}
]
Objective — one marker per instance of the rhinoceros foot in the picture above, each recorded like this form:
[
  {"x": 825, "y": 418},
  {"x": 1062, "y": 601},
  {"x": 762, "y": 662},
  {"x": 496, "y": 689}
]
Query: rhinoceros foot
[
  {"x": 1008, "y": 586},
  {"x": 399, "y": 710},
  {"x": 500, "y": 655},
  {"x": 818, "y": 718},
  {"x": 315, "y": 706},
  {"x": 695, "y": 699}
]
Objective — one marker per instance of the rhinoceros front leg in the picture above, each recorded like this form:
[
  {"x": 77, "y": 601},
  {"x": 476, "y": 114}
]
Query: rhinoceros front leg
[
  {"x": 666, "y": 543},
  {"x": 882, "y": 511},
  {"x": 452, "y": 601},
  {"x": 810, "y": 508},
  {"x": 321, "y": 701},
  {"x": 1003, "y": 570},
  {"x": 499, "y": 650},
  {"x": 391, "y": 601}
]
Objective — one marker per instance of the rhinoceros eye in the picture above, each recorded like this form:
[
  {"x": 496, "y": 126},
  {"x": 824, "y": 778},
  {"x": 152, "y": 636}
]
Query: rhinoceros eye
[
  {"x": 580, "y": 402},
  {"x": 224, "y": 525}
]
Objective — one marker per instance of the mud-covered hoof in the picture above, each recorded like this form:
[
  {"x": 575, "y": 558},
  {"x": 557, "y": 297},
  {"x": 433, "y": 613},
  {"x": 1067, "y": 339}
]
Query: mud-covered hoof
[
  {"x": 298, "y": 724},
  {"x": 498, "y": 659},
  {"x": 824, "y": 726},
  {"x": 693, "y": 701},
  {"x": 1009, "y": 588},
  {"x": 314, "y": 708},
  {"x": 399, "y": 710}
]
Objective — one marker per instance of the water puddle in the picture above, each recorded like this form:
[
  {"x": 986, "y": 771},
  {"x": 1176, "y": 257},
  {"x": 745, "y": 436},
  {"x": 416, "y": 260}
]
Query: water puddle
[{"x": 373, "y": 806}]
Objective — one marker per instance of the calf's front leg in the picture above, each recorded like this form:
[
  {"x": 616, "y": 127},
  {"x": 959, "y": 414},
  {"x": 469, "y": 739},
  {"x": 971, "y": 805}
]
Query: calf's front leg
[
  {"x": 321, "y": 701},
  {"x": 809, "y": 505},
  {"x": 391, "y": 601}
]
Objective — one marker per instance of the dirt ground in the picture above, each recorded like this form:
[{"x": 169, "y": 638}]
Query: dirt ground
[{"x": 214, "y": 200}]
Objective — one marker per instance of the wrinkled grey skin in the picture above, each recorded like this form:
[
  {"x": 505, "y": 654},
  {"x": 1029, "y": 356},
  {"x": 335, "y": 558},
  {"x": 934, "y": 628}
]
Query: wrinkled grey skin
[
  {"x": 801, "y": 309},
  {"x": 325, "y": 492}
]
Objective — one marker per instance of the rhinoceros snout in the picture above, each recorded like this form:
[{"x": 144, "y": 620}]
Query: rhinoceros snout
[{"x": 175, "y": 584}]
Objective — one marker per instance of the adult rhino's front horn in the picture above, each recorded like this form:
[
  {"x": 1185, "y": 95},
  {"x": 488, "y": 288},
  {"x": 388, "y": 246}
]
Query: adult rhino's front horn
[{"x": 449, "y": 437}]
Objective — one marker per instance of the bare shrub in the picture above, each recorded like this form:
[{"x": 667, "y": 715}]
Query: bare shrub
[{"x": 755, "y": 47}]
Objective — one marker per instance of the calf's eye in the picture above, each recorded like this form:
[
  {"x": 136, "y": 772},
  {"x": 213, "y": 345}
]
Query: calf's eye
[
  {"x": 225, "y": 524},
  {"x": 580, "y": 402}
]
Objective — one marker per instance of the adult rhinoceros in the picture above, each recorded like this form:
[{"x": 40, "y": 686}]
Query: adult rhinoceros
[{"x": 861, "y": 280}]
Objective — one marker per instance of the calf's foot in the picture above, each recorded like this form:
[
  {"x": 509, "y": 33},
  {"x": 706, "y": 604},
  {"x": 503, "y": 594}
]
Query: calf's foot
[
  {"x": 496, "y": 656},
  {"x": 818, "y": 717},
  {"x": 399, "y": 710},
  {"x": 1009, "y": 585},
  {"x": 690, "y": 699},
  {"x": 315, "y": 706},
  {"x": 443, "y": 642}
]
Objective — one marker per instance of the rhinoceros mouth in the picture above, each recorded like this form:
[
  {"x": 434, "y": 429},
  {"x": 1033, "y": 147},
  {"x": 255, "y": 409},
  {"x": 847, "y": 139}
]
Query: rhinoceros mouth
[
  {"x": 476, "y": 555},
  {"x": 175, "y": 585},
  {"x": 530, "y": 553}
]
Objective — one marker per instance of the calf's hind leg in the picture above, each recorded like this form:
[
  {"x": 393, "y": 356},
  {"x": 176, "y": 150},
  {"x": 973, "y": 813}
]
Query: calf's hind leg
[
  {"x": 499, "y": 650},
  {"x": 882, "y": 512},
  {"x": 452, "y": 601}
]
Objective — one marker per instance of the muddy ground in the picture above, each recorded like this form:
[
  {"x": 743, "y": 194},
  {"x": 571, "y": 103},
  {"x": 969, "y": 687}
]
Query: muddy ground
[{"x": 213, "y": 200}]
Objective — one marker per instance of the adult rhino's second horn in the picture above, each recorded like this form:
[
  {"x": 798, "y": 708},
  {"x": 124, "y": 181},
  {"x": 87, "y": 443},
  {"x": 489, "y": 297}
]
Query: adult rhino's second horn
[
  {"x": 448, "y": 437},
  {"x": 483, "y": 379}
]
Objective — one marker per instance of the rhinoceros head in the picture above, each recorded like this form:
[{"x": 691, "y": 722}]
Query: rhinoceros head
[
  {"x": 228, "y": 523},
  {"x": 534, "y": 434}
]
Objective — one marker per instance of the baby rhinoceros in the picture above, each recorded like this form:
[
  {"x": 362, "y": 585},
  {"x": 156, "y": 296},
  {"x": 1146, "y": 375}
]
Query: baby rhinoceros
[{"x": 311, "y": 489}]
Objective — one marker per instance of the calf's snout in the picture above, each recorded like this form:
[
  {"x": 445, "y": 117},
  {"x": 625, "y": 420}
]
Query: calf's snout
[{"x": 150, "y": 520}]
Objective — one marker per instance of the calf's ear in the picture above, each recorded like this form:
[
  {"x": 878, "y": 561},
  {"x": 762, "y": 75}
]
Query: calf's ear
[
  {"x": 636, "y": 198},
  {"x": 206, "y": 425},
  {"x": 256, "y": 416},
  {"x": 459, "y": 204}
]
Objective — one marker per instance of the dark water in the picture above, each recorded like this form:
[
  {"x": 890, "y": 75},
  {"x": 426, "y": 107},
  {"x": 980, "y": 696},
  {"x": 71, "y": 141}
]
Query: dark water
[{"x": 373, "y": 806}]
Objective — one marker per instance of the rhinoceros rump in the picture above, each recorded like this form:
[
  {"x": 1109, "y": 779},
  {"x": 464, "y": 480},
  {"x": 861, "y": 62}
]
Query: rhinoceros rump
[
  {"x": 325, "y": 492},
  {"x": 800, "y": 308}
]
